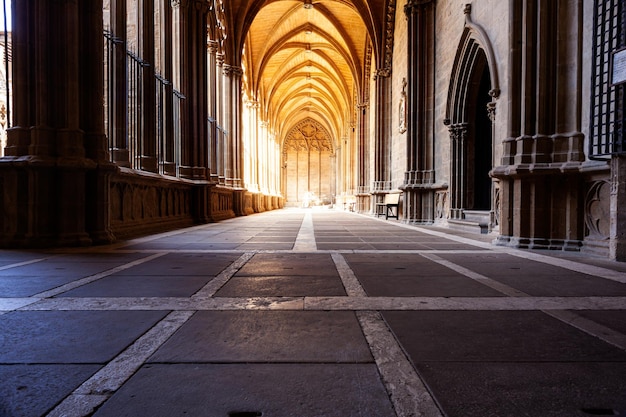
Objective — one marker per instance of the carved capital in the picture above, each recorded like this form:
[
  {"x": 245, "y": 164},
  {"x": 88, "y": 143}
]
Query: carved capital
[
  {"x": 382, "y": 73},
  {"x": 232, "y": 71},
  {"x": 414, "y": 6},
  {"x": 491, "y": 111}
]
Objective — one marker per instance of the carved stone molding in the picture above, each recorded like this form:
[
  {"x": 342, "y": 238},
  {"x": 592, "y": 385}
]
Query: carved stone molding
[
  {"x": 308, "y": 135},
  {"x": 597, "y": 210}
]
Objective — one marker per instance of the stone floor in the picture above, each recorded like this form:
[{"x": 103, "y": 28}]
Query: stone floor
[{"x": 310, "y": 313}]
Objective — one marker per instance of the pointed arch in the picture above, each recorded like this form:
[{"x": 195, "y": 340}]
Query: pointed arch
[
  {"x": 470, "y": 111},
  {"x": 474, "y": 49}
]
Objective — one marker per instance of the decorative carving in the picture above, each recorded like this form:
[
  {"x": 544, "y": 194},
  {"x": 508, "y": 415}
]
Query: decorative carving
[
  {"x": 308, "y": 135},
  {"x": 389, "y": 33},
  {"x": 597, "y": 210},
  {"x": 232, "y": 71},
  {"x": 491, "y": 111},
  {"x": 402, "y": 108},
  {"x": 441, "y": 201}
]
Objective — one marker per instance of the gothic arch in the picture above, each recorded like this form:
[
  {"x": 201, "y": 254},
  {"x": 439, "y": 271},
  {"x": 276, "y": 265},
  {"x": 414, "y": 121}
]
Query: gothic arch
[
  {"x": 309, "y": 163},
  {"x": 473, "y": 47},
  {"x": 470, "y": 111}
]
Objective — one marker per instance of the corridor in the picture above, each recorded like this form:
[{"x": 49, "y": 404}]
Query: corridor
[{"x": 308, "y": 313}]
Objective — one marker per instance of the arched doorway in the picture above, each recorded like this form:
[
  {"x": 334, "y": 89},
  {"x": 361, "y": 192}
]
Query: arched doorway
[
  {"x": 309, "y": 160},
  {"x": 469, "y": 116},
  {"x": 479, "y": 143}
]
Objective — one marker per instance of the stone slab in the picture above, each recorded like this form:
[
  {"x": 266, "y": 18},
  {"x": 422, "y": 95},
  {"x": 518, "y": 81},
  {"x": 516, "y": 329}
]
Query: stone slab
[
  {"x": 614, "y": 319},
  {"x": 68, "y": 269},
  {"x": 527, "y": 389},
  {"x": 141, "y": 286},
  {"x": 344, "y": 246},
  {"x": 70, "y": 336},
  {"x": 282, "y": 286},
  {"x": 178, "y": 264},
  {"x": 536, "y": 278},
  {"x": 495, "y": 336},
  {"x": 267, "y": 336},
  {"x": 25, "y": 286},
  {"x": 423, "y": 284},
  {"x": 263, "y": 264},
  {"x": 267, "y": 390},
  {"x": 33, "y": 390}
]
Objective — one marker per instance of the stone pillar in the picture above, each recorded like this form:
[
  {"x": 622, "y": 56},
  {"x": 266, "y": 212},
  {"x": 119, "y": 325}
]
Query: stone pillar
[
  {"x": 97, "y": 211},
  {"x": 419, "y": 175},
  {"x": 222, "y": 117},
  {"x": 58, "y": 140},
  {"x": 617, "y": 244},
  {"x": 120, "y": 154},
  {"x": 191, "y": 77},
  {"x": 541, "y": 172},
  {"x": 166, "y": 69},
  {"x": 213, "y": 110},
  {"x": 148, "y": 157},
  {"x": 233, "y": 103},
  {"x": 383, "y": 134}
]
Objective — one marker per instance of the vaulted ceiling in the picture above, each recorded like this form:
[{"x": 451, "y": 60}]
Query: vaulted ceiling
[{"x": 307, "y": 58}]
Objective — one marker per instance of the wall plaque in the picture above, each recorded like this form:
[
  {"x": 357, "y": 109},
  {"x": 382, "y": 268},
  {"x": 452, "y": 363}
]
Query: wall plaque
[{"x": 618, "y": 67}]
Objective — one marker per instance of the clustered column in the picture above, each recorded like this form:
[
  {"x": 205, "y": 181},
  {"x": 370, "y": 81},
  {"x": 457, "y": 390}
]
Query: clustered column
[
  {"x": 419, "y": 175},
  {"x": 56, "y": 150}
]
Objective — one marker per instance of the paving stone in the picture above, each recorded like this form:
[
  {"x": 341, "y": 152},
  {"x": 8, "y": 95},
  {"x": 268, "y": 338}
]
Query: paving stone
[
  {"x": 536, "y": 278},
  {"x": 265, "y": 264},
  {"x": 70, "y": 336},
  {"x": 492, "y": 389},
  {"x": 422, "y": 284},
  {"x": 614, "y": 319},
  {"x": 271, "y": 390},
  {"x": 141, "y": 286},
  {"x": 267, "y": 336},
  {"x": 282, "y": 286},
  {"x": 67, "y": 269},
  {"x": 177, "y": 264},
  {"x": 25, "y": 286},
  {"x": 344, "y": 246},
  {"x": 33, "y": 390},
  {"x": 490, "y": 336}
]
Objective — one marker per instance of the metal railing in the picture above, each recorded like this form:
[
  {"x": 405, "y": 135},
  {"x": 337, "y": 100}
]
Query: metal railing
[{"x": 166, "y": 113}]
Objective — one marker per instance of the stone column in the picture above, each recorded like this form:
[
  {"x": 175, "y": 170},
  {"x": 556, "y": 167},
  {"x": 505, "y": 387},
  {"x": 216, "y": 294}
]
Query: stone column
[
  {"x": 383, "y": 133},
  {"x": 213, "y": 110},
  {"x": 419, "y": 175},
  {"x": 191, "y": 77},
  {"x": 145, "y": 14},
  {"x": 44, "y": 176},
  {"x": 120, "y": 154},
  {"x": 166, "y": 69},
  {"x": 97, "y": 211},
  {"x": 222, "y": 117}
]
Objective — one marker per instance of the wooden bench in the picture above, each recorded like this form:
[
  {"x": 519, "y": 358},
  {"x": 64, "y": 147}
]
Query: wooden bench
[{"x": 389, "y": 207}]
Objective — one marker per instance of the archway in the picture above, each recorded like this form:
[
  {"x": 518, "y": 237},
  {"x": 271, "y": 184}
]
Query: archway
[
  {"x": 309, "y": 161},
  {"x": 469, "y": 115}
]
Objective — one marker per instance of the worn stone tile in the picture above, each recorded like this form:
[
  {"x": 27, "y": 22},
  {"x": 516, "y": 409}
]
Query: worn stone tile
[
  {"x": 263, "y": 264},
  {"x": 177, "y": 264},
  {"x": 282, "y": 286},
  {"x": 141, "y": 286},
  {"x": 70, "y": 336},
  {"x": 499, "y": 389},
  {"x": 271, "y": 390},
  {"x": 25, "y": 286},
  {"x": 267, "y": 336},
  {"x": 614, "y": 319},
  {"x": 495, "y": 336},
  {"x": 536, "y": 278},
  {"x": 33, "y": 390}
]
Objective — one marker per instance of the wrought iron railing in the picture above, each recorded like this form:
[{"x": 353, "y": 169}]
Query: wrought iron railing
[{"x": 166, "y": 113}]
